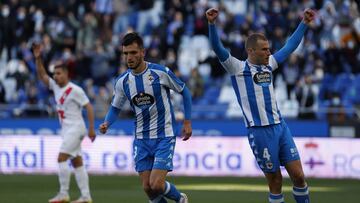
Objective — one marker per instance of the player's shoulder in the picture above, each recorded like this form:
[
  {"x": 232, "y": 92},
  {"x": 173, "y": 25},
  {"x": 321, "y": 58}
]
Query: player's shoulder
[
  {"x": 122, "y": 76},
  {"x": 272, "y": 62},
  {"x": 231, "y": 60},
  {"x": 75, "y": 86},
  {"x": 158, "y": 67}
]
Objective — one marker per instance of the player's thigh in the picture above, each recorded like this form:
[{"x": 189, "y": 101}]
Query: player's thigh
[
  {"x": 264, "y": 144},
  {"x": 164, "y": 153},
  {"x": 142, "y": 154},
  {"x": 72, "y": 142},
  {"x": 288, "y": 151},
  {"x": 145, "y": 178}
]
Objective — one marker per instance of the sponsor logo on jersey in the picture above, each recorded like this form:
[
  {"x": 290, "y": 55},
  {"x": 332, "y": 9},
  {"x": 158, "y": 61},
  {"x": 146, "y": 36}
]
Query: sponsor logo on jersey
[
  {"x": 143, "y": 100},
  {"x": 262, "y": 78}
]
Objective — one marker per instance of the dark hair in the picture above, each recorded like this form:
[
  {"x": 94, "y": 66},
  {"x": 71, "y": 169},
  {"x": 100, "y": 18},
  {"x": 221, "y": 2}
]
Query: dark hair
[
  {"x": 252, "y": 40},
  {"x": 62, "y": 66},
  {"x": 132, "y": 37}
]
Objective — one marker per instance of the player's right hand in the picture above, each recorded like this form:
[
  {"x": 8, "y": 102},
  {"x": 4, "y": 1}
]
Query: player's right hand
[
  {"x": 103, "y": 127},
  {"x": 92, "y": 135},
  {"x": 36, "y": 48},
  {"x": 212, "y": 14},
  {"x": 309, "y": 16}
]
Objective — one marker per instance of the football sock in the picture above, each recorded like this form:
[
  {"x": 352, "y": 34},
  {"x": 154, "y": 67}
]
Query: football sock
[
  {"x": 64, "y": 177},
  {"x": 301, "y": 195},
  {"x": 276, "y": 198},
  {"x": 171, "y": 192},
  {"x": 82, "y": 180}
]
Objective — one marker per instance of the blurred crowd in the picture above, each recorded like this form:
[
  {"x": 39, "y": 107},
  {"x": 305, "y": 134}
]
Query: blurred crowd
[{"x": 86, "y": 35}]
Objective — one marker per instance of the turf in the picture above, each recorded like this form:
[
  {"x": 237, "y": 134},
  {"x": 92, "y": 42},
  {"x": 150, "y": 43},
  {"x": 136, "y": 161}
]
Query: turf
[{"x": 127, "y": 189}]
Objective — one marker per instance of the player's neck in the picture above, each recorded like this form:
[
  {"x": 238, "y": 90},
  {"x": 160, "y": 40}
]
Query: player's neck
[
  {"x": 64, "y": 84},
  {"x": 252, "y": 61},
  {"x": 140, "y": 68}
]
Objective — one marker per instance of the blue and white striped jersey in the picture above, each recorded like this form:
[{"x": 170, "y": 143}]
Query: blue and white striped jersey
[
  {"x": 254, "y": 90},
  {"x": 149, "y": 96}
]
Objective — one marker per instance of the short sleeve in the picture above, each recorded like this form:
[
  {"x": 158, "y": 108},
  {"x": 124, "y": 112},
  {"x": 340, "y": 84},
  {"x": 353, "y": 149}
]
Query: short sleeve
[
  {"x": 171, "y": 81},
  {"x": 52, "y": 84},
  {"x": 81, "y": 97},
  {"x": 119, "y": 96},
  {"x": 233, "y": 65},
  {"x": 273, "y": 63}
]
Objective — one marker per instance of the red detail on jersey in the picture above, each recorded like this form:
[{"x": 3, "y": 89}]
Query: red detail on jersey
[
  {"x": 61, "y": 115},
  {"x": 64, "y": 96}
]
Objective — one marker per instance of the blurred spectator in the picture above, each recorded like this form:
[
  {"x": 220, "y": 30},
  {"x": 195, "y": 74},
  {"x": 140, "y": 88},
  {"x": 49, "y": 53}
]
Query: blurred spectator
[
  {"x": 336, "y": 112},
  {"x": 102, "y": 102},
  {"x": 306, "y": 97},
  {"x": 100, "y": 67},
  {"x": 2, "y": 93},
  {"x": 291, "y": 74},
  {"x": 196, "y": 84},
  {"x": 7, "y": 29}
]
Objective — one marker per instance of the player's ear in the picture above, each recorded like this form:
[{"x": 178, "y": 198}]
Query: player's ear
[{"x": 143, "y": 51}]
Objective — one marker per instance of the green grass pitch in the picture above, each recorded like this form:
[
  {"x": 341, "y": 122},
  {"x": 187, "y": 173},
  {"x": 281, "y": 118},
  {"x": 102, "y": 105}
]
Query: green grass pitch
[{"x": 127, "y": 189}]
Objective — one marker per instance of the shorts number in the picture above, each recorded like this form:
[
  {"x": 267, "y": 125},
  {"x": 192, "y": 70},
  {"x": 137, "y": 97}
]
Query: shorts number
[
  {"x": 266, "y": 154},
  {"x": 135, "y": 152}
]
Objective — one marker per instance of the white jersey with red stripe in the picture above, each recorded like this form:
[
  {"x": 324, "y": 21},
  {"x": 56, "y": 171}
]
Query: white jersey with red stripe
[{"x": 69, "y": 102}]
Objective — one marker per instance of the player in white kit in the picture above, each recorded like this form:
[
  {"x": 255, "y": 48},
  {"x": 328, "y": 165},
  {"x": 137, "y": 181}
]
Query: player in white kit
[{"x": 70, "y": 99}]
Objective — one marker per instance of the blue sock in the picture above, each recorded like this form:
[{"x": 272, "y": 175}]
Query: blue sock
[
  {"x": 276, "y": 198},
  {"x": 171, "y": 192},
  {"x": 158, "y": 199},
  {"x": 301, "y": 195}
]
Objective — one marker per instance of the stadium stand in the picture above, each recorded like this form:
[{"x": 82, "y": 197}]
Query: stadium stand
[{"x": 85, "y": 35}]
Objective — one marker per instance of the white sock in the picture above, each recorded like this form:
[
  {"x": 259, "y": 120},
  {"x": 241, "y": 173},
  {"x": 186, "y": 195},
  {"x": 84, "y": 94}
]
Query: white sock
[
  {"x": 82, "y": 180},
  {"x": 64, "y": 177}
]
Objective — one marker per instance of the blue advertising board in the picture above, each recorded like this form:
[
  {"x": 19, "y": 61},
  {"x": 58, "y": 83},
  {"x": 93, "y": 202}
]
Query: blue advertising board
[{"x": 299, "y": 128}]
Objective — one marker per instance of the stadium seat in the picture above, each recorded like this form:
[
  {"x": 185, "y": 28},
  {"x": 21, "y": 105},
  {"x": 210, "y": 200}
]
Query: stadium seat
[{"x": 341, "y": 83}]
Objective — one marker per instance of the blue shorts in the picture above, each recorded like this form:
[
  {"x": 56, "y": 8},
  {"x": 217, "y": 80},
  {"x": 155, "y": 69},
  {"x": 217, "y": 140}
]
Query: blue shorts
[
  {"x": 152, "y": 154},
  {"x": 272, "y": 146}
]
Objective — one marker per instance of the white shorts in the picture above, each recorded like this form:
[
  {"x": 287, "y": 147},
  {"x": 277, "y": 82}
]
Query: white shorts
[{"x": 72, "y": 138}]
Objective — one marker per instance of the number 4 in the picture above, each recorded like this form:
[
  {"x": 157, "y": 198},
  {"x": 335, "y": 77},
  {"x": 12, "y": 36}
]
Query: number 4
[{"x": 266, "y": 154}]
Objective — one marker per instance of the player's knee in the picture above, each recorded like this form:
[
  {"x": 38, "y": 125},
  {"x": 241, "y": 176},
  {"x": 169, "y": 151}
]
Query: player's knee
[
  {"x": 275, "y": 182},
  {"x": 298, "y": 179},
  {"x": 157, "y": 186},
  {"x": 77, "y": 162},
  {"x": 147, "y": 188},
  {"x": 62, "y": 158},
  {"x": 275, "y": 185}
]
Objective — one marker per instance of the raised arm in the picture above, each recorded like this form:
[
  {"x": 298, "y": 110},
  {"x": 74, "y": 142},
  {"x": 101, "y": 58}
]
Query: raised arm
[
  {"x": 215, "y": 42},
  {"x": 295, "y": 39},
  {"x": 40, "y": 69}
]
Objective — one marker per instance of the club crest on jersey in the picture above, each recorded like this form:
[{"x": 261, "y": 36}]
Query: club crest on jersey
[
  {"x": 269, "y": 165},
  {"x": 262, "y": 78},
  {"x": 143, "y": 100},
  {"x": 151, "y": 78}
]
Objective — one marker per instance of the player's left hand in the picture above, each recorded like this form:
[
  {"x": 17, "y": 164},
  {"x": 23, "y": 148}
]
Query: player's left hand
[
  {"x": 92, "y": 135},
  {"x": 309, "y": 15},
  {"x": 186, "y": 130}
]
